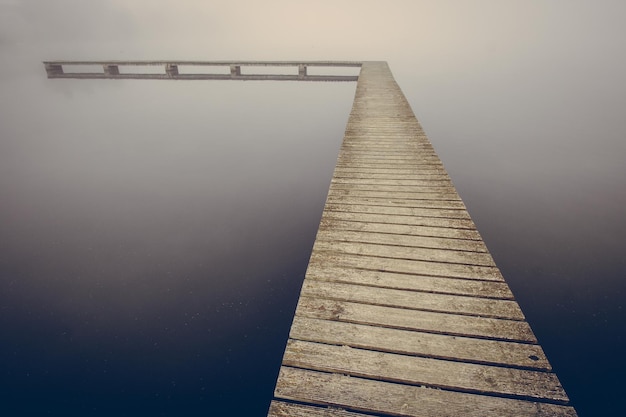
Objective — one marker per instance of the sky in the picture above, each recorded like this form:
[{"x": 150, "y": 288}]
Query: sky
[{"x": 523, "y": 101}]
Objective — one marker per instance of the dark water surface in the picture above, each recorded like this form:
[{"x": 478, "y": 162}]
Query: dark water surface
[
  {"x": 153, "y": 240},
  {"x": 154, "y": 236}
]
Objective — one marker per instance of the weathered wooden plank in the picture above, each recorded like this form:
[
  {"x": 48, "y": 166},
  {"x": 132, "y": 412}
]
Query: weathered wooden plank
[
  {"x": 407, "y": 342},
  {"x": 414, "y": 170},
  {"x": 427, "y": 157},
  {"x": 403, "y": 252},
  {"x": 331, "y": 222},
  {"x": 431, "y": 182},
  {"x": 398, "y": 211},
  {"x": 431, "y": 372},
  {"x": 363, "y": 148},
  {"x": 387, "y": 159},
  {"x": 352, "y": 154},
  {"x": 387, "y": 137},
  {"x": 447, "y": 303},
  {"x": 403, "y": 177},
  {"x": 401, "y": 318},
  {"x": 283, "y": 409},
  {"x": 359, "y": 394},
  {"x": 418, "y": 164},
  {"x": 384, "y": 139},
  {"x": 416, "y": 195},
  {"x": 395, "y": 202},
  {"x": 355, "y": 146},
  {"x": 332, "y": 234},
  {"x": 375, "y": 121},
  {"x": 384, "y": 134},
  {"x": 406, "y": 266},
  {"x": 395, "y": 188},
  {"x": 325, "y": 271},
  {"x": 406, "y": 220}
]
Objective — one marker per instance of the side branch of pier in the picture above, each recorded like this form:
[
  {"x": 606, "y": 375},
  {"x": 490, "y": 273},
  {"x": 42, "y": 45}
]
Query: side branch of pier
[{"x": 201, "y": 70}]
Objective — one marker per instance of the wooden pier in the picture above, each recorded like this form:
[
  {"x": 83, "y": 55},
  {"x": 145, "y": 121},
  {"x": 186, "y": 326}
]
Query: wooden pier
[{"x": 402, "y": 311}]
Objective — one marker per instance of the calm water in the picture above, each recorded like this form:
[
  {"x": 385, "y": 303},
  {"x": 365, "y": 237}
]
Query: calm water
[{"x": 154, "y": 236}]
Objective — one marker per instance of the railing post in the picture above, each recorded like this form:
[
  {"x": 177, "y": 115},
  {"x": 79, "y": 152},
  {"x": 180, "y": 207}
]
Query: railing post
[
  {"x": 54, "y": 69},
  {"x": 110, "y": 69},
  {"x": 235, "y": 71},
  {"x": 171, "y": 70},
  {"x": 302, "y": 71}
]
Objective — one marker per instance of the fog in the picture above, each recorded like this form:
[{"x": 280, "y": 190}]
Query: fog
[{"x": 158, "y": 232}]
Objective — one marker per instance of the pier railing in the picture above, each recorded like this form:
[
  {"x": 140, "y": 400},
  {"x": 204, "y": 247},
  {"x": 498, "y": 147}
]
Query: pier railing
[{"x": 206, "y": 70}]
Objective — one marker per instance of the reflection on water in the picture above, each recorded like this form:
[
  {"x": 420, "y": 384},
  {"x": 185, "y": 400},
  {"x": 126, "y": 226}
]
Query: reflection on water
[{"x": 154, "y": 239}]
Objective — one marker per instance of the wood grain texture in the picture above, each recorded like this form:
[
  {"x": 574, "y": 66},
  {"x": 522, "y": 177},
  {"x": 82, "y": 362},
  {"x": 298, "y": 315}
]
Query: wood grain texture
[
  {"x": 334, "y": 222},
  {"x": 458, "y": 304},
  {"x": 425, "y": 321},
  {"x": 395, "y": 202},
  {"x": 335, "y": 234},
  {"x": 324, "y": 271},
  {"x": 463, "y": 349},
  {"x": 283, "y": 409},
  {"x": 398, "y": 211},
  {"x": 415, "y": 194},
  {"x": 385, "y": 250},
  {"x": 358, "y": 394},
  {"x": 435, "y": 373},
  {"x": 405, "y": 220},
  {"x": 437, "y": 269}
]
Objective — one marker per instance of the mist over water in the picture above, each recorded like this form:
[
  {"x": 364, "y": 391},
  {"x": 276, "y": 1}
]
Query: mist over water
[
  {"x": 154, "y": 241},
  {"x": 154, "y": 235}
]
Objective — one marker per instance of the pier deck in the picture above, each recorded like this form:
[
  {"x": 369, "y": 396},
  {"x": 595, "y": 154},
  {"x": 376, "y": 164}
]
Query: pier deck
[{"x": 403, "y": 311}]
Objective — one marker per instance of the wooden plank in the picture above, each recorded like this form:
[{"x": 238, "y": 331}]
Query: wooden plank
[
  {"x": 355, "y": 145},
  {"x": 395, "y": 202},
  {"x": 325, "y": 271},
  {"x": 406, "y": 266},
  {"x": 406, "y": 220},
  {"x": 388, "y": 176},
  {"x": 388, "y": 159},
  {"x": 359, "y": 394},
  {"x": 402, "y": 252},
  {"x": 431, "y": 182},
  {"x": 283, "y": 409},
  {"x": 416, "y": 195},
  {"x": 417, "y": 164},
  {"x": 434, "y": 373},
  {"x": 398, "y": 211},
  {"x": 457, "y": 304},
  {"x": 363, "y": 148},
  {"x": 331, "y": 222},
  {"x": 425, "y": 321},
  {"x": 424, "y": 155},
  {"x": 406, "y": 342},
  {"x": 395, "y": 188},
  {"x": 383, "y": 138},
  {"x": 408, "y": 241},
  {"x": 414, "y": 170}
]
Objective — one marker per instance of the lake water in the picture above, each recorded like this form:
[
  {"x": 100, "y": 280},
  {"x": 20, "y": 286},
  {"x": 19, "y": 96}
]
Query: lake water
[{"x": 154, "y": 237}]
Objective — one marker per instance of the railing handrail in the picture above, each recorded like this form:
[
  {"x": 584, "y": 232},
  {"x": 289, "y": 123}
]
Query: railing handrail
[{"x": 111, "y": 70}]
